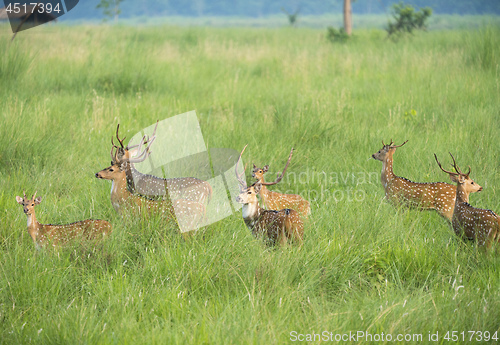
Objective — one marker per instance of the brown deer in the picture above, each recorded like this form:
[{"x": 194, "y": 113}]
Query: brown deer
[
  {"x": 277, "y": 227},
  {"x": 189, "y": 214},
  {"x": 469, "y": 222},
  {"x": 188, "y": 188},
  {"x": 277, "y": 201},
  {"x": 56, "y": 235},
  {"x": 438, "y": 196}
]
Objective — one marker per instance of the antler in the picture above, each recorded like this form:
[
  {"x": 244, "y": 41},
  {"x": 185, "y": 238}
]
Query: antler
[
  {"x": 280, "y": 177},
  {"x": 142, "y": 156},
  {"x": 395, "y": 146},
  {"x": 143, "y": 138},
  {"x": 454, "y": 165},
  {"x": 238, "y": 176},
  {"x": 118, "y": 137},
  {"x": 457, "y": 169},
  {"x": 34, "y": 195}
]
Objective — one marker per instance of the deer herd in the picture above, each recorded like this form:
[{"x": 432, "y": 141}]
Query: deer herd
[{"x": 279, "y": 219}]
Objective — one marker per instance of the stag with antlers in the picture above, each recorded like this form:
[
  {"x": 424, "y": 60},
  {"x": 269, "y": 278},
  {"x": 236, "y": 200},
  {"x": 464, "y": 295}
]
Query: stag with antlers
[
  {"x": 438, "y": 196},
  {"x": 276, "y": 226},
  {"x": 188, "y": 188},
  {"x": 189, "y": 214},
  {"x": 470, "y": 222},
  {"x": 277, "y": 201}
]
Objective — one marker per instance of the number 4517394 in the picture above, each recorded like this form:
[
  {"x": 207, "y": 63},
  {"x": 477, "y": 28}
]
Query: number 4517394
[
  {"x": 470, "y": 336},
  {"x": 32, "y": 6}
]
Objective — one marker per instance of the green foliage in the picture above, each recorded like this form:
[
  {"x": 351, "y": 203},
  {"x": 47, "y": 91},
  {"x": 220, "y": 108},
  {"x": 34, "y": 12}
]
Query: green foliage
[
  {"x": 365, "y": 265},
  {"x": 13, "y": 62},
  {"x": 110, "y": 8},
  {"x": 334, "y": 35},
  {"x": 483, "y": 47},
  {"x": 407, "y": 19}
]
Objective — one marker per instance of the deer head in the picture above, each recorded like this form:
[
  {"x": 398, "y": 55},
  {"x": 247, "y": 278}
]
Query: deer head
[
  {"x": 28, "y": 204},
  {"x": 463, "y": 180},
  {"x": 259, "y": 173},
  {"x": 384, "y": 151},
  {"x": 120, "y": 161},
  {"x": 249, "y": 195}
]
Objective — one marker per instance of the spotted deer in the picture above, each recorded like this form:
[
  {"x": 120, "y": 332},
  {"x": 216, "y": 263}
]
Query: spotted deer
[
  {"x": 438, "y": 196},
  {"x": 188, "y": 188},
  {"x": 470, "y": 222},
  {"x": 188, "y": 214},
  {"x": 56, "y": 235},
  {"x": 277, "y": 227},
  {"x": 277, "y": 201}
]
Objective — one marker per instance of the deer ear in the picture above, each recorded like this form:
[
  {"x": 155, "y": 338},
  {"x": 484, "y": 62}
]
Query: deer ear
[
  {"x": 254, "y": 167},
  {"x": 38, "y": 200},
  {"x": 457, "y": 178},
  {"x": 19, "y": 200},
  {"x": 265, "y": 168}
]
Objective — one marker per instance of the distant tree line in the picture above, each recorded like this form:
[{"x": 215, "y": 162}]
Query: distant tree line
[{"x": 257, "y": 8}]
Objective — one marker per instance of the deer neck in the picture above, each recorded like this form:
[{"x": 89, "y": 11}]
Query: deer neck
[
  {"x": 33, "y": 227},
  {"x": 264, "y": 192},
  {"x": 119, "y": 191},
  {"x": 251, "y": 213},
  {"x": 462, "y": 195},
  {"x": 131, "y": 171},
  {"x": 387, "y": 172}
]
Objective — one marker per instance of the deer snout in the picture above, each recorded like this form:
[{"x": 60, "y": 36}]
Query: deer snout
[
  {"x": 480, "y": 189},
  {"x": 97, "y": 175}
]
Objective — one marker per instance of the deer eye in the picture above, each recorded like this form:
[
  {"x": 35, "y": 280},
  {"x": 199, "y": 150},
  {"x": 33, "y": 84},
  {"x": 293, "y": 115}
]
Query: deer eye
[
  {"x": 111, "y": 169},
  {"x": 32, "y": 204},
  {"x": 472, "y": 182}
]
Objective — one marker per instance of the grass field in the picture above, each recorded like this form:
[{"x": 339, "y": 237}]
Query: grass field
[{"x": 365, "y": 266}]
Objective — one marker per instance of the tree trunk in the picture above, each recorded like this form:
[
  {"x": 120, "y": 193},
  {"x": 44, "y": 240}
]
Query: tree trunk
[{"x": 347, "y": 17}]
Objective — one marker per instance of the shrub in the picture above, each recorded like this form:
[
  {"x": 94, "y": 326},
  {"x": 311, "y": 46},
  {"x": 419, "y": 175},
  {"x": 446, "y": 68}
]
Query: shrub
[
  {"x": 334, "y": 35},
  {"x": 407, "y": 19}
]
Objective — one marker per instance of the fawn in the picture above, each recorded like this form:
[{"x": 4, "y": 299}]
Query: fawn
[
  {"x": 55, "y": 235},
  {"x": 469, "y": 222},
  {"x": 276, "y": 226},
  {"x": 438, "y": 196}
]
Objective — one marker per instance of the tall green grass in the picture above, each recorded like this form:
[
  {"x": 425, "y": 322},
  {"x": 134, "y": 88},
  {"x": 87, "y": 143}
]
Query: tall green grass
[{"x": 364, "y": 266}]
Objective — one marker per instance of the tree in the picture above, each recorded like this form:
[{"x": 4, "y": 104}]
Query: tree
[
  {"x": 407, "y": 19},
  {"x": 348, "y": 17},
  {"x": 292, "y": 17},
  {"x": 110, "y": 8}
]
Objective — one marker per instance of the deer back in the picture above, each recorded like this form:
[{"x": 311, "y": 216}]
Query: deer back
[{"x": 89, "y": 229}]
